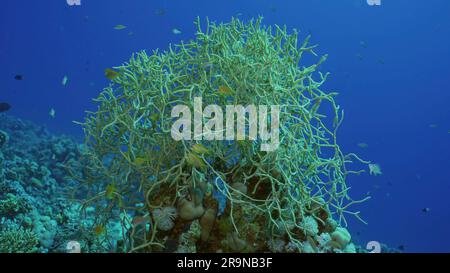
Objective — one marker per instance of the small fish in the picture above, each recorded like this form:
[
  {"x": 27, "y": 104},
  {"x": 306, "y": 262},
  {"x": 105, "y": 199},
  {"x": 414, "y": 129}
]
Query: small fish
[
  {"x": 362, "y": 145},
  {"x": 110, "y": 190},
  {"x": 111, "y": 74},
  {"x": 200, "y": 149},
  {"x": 140, "y": 220},
  {"x": 375, "y": 169},
  {"x": 52, "y": 113},
  {"x": 120, "y": 27},
  {"x": 4, "y": 107},
  {"x": 154, "y": 117},
  {"x": 160, "y": 12},
  {"x": 99, "y": 230},
  {"x": 65, "y": 80},
  {"x": 225, "y": 90},
  {"x": 425, "y": 210},
  {"x": 140, "y": 161},
  {"x": 195, "y": 161},
  {"x": 176, "y": 31},
  {"x": 18, "y": 77}
]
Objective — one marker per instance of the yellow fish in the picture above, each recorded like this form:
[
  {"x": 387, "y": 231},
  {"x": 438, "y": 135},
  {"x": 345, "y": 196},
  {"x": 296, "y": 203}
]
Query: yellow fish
[
  {"x": 110, "y": 190},
  {"x": 195, "y": 161},
  {"x": 99, "y": 230},
  {"x": 120, "y": 27},
  {"x": 363, "y": 145},
  {"x": 200, "y": 149},
  {"x": 154, "y": 117},
  {"x": 140, "y": 161},
  {"x": 111, "y": 74},
  {"x": 225, "y": 90}
]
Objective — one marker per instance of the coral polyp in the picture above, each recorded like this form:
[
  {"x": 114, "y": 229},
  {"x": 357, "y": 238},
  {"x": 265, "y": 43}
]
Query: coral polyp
[{"x": 229, "y": 195}]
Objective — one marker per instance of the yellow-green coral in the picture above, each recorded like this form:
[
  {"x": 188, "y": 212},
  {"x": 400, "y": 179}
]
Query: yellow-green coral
[{"x": 128, "y": 140}]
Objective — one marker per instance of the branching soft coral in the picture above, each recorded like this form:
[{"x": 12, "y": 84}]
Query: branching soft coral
[{"x": 269, "y": 195}]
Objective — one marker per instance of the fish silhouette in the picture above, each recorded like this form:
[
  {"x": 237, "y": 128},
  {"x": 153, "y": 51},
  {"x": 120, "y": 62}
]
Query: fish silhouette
[{"x": 4, "y": 107}]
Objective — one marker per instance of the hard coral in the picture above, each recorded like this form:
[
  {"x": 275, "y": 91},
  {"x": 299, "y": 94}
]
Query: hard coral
[
  {"x": 3, "y": 138},
  {"x": 18, "y": 240}
]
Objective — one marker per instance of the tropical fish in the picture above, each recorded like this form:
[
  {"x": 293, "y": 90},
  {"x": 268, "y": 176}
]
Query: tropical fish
[
  {"x": 111, "y": 74},
  {"x": 200, "y": 149},
  {"x": 52, "y": 113},
  {"x": 120, "y": 27},
  {"x": 363, "y": 145},
  {"x": 160, "y": 12},
  {"x": 140, "y": 220},
  {"x": 225, "y": 90},
  {"x": 375, "y": 169},
  {"x": 176, "y": 31},
  {"x": 18, "y": 77},
  {"x": 99, "y": 230},
  {"x": 426, "y": 210},
  {"x": 65, "y": 80},
  {"x": 4, "y": 107},
  {"x": 195, "y": 161},
  {"x": 154, "y": 117},
  {"x": 110, "y": 190},
  {"x": 140, "y": 161}
]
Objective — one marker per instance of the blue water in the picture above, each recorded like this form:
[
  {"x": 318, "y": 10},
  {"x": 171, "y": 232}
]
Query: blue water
[{"x": 390, "y": 64}]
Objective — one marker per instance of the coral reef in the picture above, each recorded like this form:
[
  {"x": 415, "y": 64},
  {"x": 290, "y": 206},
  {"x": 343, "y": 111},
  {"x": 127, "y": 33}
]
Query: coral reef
[
  {"x": 18, "y": 240},
  {"x": 3, "y": 138},
  {"x": 293, "y": 199},
  {"x": 35, "y": 214}
]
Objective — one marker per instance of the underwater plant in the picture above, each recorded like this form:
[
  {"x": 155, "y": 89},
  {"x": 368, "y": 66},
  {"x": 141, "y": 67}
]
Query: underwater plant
[{"x": 243, "y": 199}]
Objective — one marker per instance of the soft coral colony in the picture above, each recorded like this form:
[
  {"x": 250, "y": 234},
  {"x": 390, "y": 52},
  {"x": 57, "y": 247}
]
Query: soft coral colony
[{"x": 218, "y": 196}]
